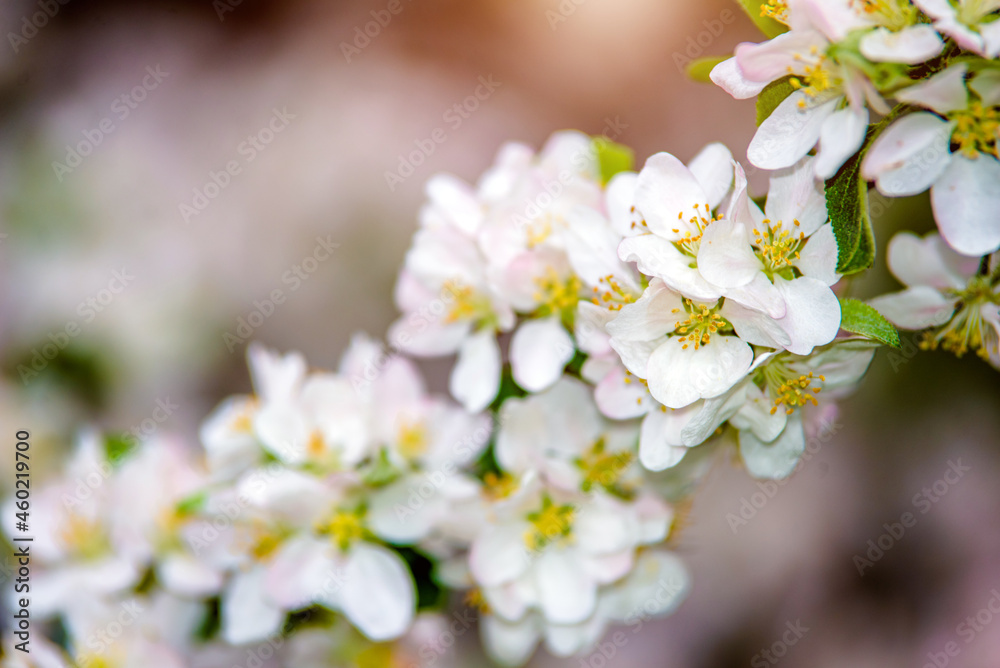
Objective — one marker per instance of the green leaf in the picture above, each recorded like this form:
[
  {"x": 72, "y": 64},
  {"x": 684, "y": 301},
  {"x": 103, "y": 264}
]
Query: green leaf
[
  {"x": 765, "y": 24},
  {"x": 773, "y": 95},
  {"x": 847, "y": 204},
  {"x": 613, "y": 158},
  {"x": 192, "y": 504},
  {"x": 117, "y": 447},
  {"x": 858, "y": 317},
  {"x": 700, "y": 68}
]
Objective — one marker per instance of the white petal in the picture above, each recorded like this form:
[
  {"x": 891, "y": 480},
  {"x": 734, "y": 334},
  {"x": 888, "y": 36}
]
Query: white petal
[
  {"x": 567, "y": 594},
  {"x": 499, "y": 554},
  {"x": 539, "y": 352},
  {"x": 760, "y": 295},
  {"x": 943, "y": 92},
  {"x": 621, "y": 400},
  {"x": 403, "y": 512},
  {"x": 276, "y": 377},
  {"x": 475, "y": 380},
  {"x": 725, "y": 256},
  {"x": 247, "y": 615},
  {"x": 679, "y": 377},
  {"x": 297, "y": 571},
  {"x": 787, "y": 135},
  {"x": 777, "y": 459},
  {"x": 842, "y": 135},
  {"x": 755, "y": 327},
  {"x": 928, "y": 261},
  {"x": 728, "y": 76},
  {"x": 773, "y": 59},
  {"x": 911, "y": 46},
  {"x": 795, "y": 194},
  {"x": 819, "y": 257},
  {"x": 589, "y": 328},
  {"x": 510, "y": 643},
  {"x": 183, "y": 574},
  {"x": 937, "y": 9},
  {"x": 457, "y": 200},
  {"x": 655, "y": 313},
  {"x": 915, "y": 308},
  {"x": 656, "y": 256},
  {"x": 660, "y": 442},
  {"x": 635, "y": 354},
  {"x": 910, "y": 155},
  {"x": 813, "y": 316},
  {"x": 378, "y": 594},
  {"x": 668, "y": 194},
  {"x": 713, "y": 169},
  {"x": 966, "y": 202},
  {"x": 620, "y": 201},
  {"x": 986, "y": 83}
]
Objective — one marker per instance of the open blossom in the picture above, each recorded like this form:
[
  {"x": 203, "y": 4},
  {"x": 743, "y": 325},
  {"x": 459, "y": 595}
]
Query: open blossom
[
  {"x": 915, "y": 153},
  {"x": 971, "y": 23},
  {"x": 830, "y": 100},
  {"x": 955, "y": 299}
]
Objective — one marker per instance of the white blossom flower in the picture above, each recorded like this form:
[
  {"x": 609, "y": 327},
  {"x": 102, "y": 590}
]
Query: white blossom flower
[
  {"x": 946, "y": 294},
  {"x": 830, "y": 100},
  {"x": 915, "y": 153},
  {"x": 972, "y": 24}
]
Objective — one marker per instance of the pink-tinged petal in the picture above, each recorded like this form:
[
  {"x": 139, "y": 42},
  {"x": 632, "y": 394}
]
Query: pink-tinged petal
[
  {"x": 813, "y": 316},
  {"x": 499, "y": 555},
  {"x": 660, "y": 443},
  {"x": 819, "y": 257},
  {"x": 679, "y": 376},
  {"x": 986, "y": 84},
  {"x": 777, "y": 459},
  {"x": 910, "y": 155},
  {"x": 841, "y": 136},
  {"x": 991, "y": 39},
  {"x": 944, "y": 92},
  {"x": 567, "y": 594},
  {"x": 834, "y": 18},
  {"x": 656, "y": 312},
  {"x": 725, "y": 256},
  {"x": 621, "y": 396},
  {"x": 456, "y": 200},
  {"x": 910, "y": 46},
  {"x": 657, "y": 257},
  {"x": 755, "y": 327},
  {"x": 795, "y": 195},
  {"x": 539, "y": 352},
  {"x": 378, "y": 595},
  {"x": 790, "y": 132},
  {"x": 966, "y": 203},
  {"x": 475, "y": 379},
  {"x": 936, "y": 9},
  {"x": 620, "y": 201},
  {"x": 728, "y": 76},
  {"x": 713, "y": 169},
  {"x": 915, "y": 308},
  {"x": 775, "y": 58},
  {"x": 668, "y": 195},
  {"x": 964, "y": 36},
  {"x": 928, "y": 261},
  {"x": 589, "y": 328}
]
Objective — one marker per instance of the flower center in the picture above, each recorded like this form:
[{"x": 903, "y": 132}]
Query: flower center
[
  {"x": 775, "y": 9},
  {"x": 814, "y": 75},
  {"x": 549, "y": 524},
  {"x": 467, "y": 303},
  {"x": 976, "y": 129},
  {"x": 777, "y": 248},
  {"x": 967, "y": 329},
  {"x": 789, "y": 388},
  {"x": 411, "y": 440},
  {"x": 691, "y": 241},
  {"x": 499, "y": 486},
  {"x": 701, "y": 323},
  {"x": 345, "y": 527},
  {"x": 892, "y": 14},
  {"x": 84, "y": 538},
  {"x": 971, "y": 12},
  {"x": 537, "y": 232},
  {"x": 614, "y": 295},
  {"x": 602, "y": 468},
  {"x": 556, "y": 295}
]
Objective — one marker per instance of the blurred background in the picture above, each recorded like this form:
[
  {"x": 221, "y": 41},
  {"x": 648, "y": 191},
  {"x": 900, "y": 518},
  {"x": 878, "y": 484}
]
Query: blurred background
[{"x": 165, "y": 167}]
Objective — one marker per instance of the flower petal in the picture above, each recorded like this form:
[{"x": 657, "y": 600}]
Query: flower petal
[
  {"x": 813, "y": 316},
  {"x": 966, "y": 202},
  {"x": 777, "y": 459},
  {"x": 728, "y": 76},
  {"x": 819, "y": 257},
  {"x": 621, "y": 396},
  {"x": 915, "y": 308},
  {"x": 475, "y": 380},
  {"x": 668, "y": 194},
  {"x": 944, "y": 92},
  {"x": 656, "y": 256},
  {"x": 713, "y": 169},
  {"x": 787, "y": 135},
  {"x": 909, "y": 156},
  {"x": 539, "y": 351},
  {"x": 725, "y": 256},
  {"x": 378, "y": 595},
  {"x": 928, "y": 261},
  {"x": 566, "y": 592},
  {"x": 679, "y": 376},
  {"x": 794, "y": 194},
  {"x": 841, "y": 136},
  {"x": 247, "y": 614},
  {"x": 911, "y": 46}
]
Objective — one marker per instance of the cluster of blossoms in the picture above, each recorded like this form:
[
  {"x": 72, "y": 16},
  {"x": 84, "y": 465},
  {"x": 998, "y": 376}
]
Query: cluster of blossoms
[{"x": 614, "y": 330}]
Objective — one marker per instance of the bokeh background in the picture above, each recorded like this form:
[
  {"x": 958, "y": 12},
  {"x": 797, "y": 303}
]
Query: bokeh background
[{"x": 228, "y": 69}]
